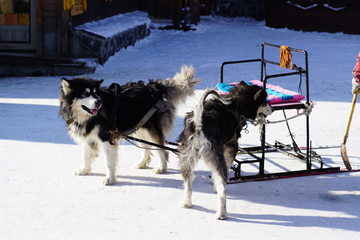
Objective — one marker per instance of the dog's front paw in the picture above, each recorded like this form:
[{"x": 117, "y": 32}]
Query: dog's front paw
[
  {"x": 159, "y": 170},
  {"x": 220, "y": 215},
  {"x": 81, "y": 172},
  {"x": 110, "y": 181},
  {"x": 186, "y": 204}
]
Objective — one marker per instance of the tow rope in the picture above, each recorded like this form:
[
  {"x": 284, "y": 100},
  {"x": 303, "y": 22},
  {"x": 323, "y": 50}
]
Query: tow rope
[
  {"x": 306, "y": 112},
  {"x": 128, "y": 138}
]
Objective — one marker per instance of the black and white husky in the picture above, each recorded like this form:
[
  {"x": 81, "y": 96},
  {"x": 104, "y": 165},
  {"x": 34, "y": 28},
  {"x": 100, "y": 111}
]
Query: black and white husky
[
  {"x": 211, "y": 133},
  {"x": 86, "y": 108}
]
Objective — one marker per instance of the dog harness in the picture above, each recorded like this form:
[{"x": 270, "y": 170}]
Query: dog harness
[
  {"x": 70, "y": 120},
  {"x": 241, "y": 123},
  {"x": 115, "y": 134}
]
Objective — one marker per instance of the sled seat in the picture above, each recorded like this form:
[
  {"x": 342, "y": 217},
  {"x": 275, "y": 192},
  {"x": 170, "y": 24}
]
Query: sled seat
[
  {"x": 280, "y": 99},
  {"x": 277, "y": 96}
]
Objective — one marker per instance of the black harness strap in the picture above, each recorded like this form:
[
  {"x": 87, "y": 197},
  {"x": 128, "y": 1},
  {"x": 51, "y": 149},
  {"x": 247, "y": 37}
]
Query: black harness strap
[
  {"x": 112, "y": 122},
  {"x": 240, "y": 120},
  {"x": 143, "y": 120},
  {"x": 114, "y": 132}
]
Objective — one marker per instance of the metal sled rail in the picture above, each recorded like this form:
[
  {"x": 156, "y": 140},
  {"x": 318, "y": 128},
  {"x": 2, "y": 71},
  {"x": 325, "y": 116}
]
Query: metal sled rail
[{"x": 304, "y": 173}]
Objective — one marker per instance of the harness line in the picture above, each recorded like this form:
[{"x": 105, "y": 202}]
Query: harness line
[
  {"x": 306, "y": 112},
  {"x": 159, "y": 147}
]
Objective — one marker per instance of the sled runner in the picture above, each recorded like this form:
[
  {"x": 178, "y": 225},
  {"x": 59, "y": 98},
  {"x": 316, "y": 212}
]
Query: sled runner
[{"x": 281, "y": 100}]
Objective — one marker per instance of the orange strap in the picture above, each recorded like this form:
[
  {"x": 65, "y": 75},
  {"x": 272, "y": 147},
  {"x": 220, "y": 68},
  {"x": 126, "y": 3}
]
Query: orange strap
[{"x": 286, "y": 58}]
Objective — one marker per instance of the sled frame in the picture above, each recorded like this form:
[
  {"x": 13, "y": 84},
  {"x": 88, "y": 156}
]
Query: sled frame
[{"x": 308, "y": 156}]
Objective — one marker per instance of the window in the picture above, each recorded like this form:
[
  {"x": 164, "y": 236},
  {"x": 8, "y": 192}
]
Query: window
[{"x": 17, "y": 21}]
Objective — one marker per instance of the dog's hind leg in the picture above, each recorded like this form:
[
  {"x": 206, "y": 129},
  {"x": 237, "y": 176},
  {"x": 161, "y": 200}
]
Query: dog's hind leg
[
  {"x": 229, "y": 154},
  {"x": 111, "y": 153},
  {"x": 146, "y": 157},
  {"x": 220, "y": 183},
  {"x": 187, "y": 164},
  {"x": 219, "y": 171},
  {"x": 160, "y": 131},
  {"x": 156, "y": 136},
  {"x": 162, "y": 166}
]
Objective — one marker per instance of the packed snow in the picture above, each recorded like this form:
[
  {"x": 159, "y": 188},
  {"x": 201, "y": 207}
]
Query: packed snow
[{"x": 41, "y": 198}]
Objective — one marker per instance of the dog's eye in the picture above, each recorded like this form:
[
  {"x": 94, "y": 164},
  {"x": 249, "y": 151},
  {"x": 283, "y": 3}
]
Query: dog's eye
[{"x": 86, "y": 93}]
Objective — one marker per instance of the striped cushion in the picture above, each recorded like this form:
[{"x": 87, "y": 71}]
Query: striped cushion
[{"x": 276, "y": 94}]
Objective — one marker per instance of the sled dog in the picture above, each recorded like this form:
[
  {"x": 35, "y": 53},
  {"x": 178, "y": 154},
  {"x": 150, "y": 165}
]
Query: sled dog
[
  {"x": 86, "y": 108},
  {"x": 211, "y": 133}
]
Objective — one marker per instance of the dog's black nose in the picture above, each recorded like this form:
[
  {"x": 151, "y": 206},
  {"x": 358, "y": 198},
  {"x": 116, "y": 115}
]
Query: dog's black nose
[{"x": 98, "y": 103}]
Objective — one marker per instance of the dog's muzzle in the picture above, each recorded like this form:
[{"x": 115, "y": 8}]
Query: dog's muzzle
[
  {"x": 262, "y": 115},
  {"x": 98, "y": 103},
  {"x": 93, "y": 111},
  {"x": 266, "y": 110}
]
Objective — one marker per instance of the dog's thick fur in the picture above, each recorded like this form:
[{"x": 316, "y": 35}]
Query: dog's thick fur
[
  {"x": 211, "y": 133},
  {"x": 86, "y": 108}
]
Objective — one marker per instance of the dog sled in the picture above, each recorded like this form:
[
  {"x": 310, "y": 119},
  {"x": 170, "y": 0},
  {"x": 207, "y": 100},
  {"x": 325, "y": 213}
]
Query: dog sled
[{"x": 312, "y": 163}]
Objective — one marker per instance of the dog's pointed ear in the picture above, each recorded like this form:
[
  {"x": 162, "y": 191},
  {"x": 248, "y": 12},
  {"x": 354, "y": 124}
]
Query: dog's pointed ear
[
  {"x": 239, "y": 87},
  {"x": 260, "y": 95},
  {"x": 65, "y": 86},
  {"x": 100, "y": 82},
  {"x": 242, "y": 83}
]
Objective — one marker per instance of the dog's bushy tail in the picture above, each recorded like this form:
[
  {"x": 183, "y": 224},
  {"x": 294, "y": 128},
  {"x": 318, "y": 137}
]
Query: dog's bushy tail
[{"x": 182, "y": 85}]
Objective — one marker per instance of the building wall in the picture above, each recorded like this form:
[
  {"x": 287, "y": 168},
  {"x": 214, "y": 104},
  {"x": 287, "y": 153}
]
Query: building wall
[
  {"x": 49, "y": 28},
  {"x": 240, "y": 8},
  {"x": 99, "y": 9},
  {"x": 55, "y": 31},
  {"x": 321, "y": 16}
]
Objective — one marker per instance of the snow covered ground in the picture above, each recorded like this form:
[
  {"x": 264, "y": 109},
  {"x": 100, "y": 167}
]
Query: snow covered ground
[{"x": 41, "y": 198}]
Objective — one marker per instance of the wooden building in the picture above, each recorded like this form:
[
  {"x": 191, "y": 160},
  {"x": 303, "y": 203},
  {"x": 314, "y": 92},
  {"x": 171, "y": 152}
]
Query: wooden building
[
  {"x": 40, "y": 34},
  {"x": 45, "y": 32}
]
